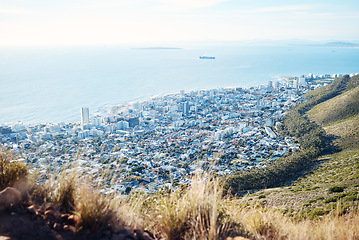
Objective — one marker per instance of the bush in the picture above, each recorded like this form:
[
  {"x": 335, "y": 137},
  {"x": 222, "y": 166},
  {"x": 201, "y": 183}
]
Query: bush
[
  {"x": 351, "y": 198},
  {"x": 315, "y": 213},
  {"x": 10, "y": 171},
  {"x": 331, "y": 199},
  {"x": 335, "y": 189}
]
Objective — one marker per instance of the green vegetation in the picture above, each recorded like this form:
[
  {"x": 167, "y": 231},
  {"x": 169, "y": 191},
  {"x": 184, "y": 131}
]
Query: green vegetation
[
  {"x": 311, "y": 136},
  {"x": 335, "y": 189},
  {"x": 313, "y": 141},
  {"x": 331, "y": 182},
  {"x": 339, "y": 117},
  {"x": 325, "y": 93}
]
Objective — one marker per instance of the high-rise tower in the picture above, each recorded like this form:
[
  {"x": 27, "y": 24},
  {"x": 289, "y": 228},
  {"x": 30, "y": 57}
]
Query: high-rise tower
[{"x": 85, "y": 116}]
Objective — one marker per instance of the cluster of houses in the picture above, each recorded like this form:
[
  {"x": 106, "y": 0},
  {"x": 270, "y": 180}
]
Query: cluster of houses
[{"x": 163, "y": 141}]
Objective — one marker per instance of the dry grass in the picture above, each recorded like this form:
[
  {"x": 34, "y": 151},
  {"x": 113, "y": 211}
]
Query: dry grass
[
  {"x": 347, "y": 130},
  {"x": 10, "y": 171},
  {"x": 95, "y": 211},
  {"x": 269, "y": 224},
  {"x": 332, "y": 110},
  {"x": 70, "y": 194},
  {"x": 198, "y": 212}
]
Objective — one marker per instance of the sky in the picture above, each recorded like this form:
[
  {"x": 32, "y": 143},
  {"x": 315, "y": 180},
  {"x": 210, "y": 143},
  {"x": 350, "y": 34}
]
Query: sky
[{"x": 115, "y": 22}]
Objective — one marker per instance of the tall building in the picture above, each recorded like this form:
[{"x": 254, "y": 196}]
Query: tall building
[
  {"x": 276, "y": 84},
  {"x": 85, "y": 116},
  {"x": 270, "y": 85},
  {"x": 302, "y": 81},
  {"x": 185, "y": 108},
  {"x": 295, "y": 82}
]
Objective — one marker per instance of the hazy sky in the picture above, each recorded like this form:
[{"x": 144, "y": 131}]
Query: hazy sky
[{"x": 47, "y": 22}]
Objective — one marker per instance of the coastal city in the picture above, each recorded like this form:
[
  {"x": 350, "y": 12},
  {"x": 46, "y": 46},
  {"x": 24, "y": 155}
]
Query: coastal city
[{"x": 163, "y": 141}]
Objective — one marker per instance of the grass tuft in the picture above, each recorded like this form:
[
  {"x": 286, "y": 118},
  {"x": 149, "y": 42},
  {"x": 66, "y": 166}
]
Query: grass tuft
[
  {"x": 198, "y": 212},
  {"x": 95, "y": 211},
  {"x": 11, "y": 171}
]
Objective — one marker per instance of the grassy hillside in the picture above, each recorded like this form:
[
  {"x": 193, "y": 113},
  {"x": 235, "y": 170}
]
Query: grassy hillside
[
  {"x": 346, "y": 132},
  {"x": 336, "y": 109},
  {"x": 339, "y": 117},
  {"x": 329, "y": 187},
  {"x": 331, "y": 183},
  {"x": 330, "y": 91}
]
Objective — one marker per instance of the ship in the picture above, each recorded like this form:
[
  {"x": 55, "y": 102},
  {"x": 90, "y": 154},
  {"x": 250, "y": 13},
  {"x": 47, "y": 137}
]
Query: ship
[{"x": 207, "y": 57}]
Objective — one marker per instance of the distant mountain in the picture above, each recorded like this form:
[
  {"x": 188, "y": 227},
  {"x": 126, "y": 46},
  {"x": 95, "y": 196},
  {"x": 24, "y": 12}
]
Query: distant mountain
[{"x": 340, "y": 44}]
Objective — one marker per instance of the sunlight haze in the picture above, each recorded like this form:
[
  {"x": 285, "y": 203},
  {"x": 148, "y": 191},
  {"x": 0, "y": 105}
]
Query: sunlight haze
[{"x": 112, "y": 22}]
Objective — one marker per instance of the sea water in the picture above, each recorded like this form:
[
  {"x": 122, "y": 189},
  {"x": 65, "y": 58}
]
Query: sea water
[{"x": 40, "y": 85}]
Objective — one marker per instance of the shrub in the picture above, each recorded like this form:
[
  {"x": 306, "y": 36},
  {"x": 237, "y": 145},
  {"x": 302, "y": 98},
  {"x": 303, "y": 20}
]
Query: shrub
[
  {"x": 335, "y": 189},
  {"x": 351, "y": 198},
  {"x": 10, "y": 171},
  {"x": 319, "y": 198},
  {"x": 331, "y": 199},
  {"x": 315, "y": 213}
]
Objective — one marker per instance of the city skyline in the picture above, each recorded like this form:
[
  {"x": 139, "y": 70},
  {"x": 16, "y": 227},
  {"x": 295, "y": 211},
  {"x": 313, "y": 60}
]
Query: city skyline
[{"x": 39, "y": 22}]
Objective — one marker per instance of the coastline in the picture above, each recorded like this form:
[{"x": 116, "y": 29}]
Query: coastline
[{"x": 109, "y": 109}]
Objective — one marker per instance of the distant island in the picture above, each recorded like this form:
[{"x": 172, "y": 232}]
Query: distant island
[
  {"x": 340, "y": 44},
  {"x": 158, "y": 48}
]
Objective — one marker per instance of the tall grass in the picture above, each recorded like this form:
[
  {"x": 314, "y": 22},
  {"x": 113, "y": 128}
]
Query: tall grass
[
  {"x": 10, "y": 170},
  {"x": 74, "y": 195},
  {"x": 198, "y": 212},
  {"x": 95, "y": 211}
]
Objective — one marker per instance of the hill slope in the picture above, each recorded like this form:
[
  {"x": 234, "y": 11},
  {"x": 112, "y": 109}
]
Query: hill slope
[
  {"x": 331, "y": 180},
  {"x": 339, "y": 116}
]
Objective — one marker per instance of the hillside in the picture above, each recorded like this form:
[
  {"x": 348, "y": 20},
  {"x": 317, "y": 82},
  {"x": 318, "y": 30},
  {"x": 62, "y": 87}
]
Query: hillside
[
  {"x": 332, "y": 180},
  {"x": 339, "y": 117}
]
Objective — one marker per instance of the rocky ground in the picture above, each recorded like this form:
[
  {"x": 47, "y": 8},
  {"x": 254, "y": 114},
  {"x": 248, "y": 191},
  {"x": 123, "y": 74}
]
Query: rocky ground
[{"x": 31, "y": 222}]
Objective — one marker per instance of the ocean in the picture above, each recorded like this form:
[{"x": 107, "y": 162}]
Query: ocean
[{"x": 51, "y": 84}]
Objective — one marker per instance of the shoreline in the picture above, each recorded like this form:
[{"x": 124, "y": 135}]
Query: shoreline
[{"x": 107, "y": 109}]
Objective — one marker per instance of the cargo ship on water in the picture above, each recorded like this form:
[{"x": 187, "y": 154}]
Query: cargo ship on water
[{"x": 207, "y": 57}]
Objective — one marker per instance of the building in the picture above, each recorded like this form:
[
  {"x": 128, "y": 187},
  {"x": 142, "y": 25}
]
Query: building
[
  {"x": 270, "y": 132},
  {"x": 295, "y": 82},
  {"x": 122, "y": 125},
  {"x": 276, "y": 84},
  {"x": 302, "y": 81},
  {"x": 85, "y": 116},
  {"x": 270, "y": 86},
  {"x": 132, "y": 122},
  {"x": 185, "y": 108}
]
